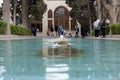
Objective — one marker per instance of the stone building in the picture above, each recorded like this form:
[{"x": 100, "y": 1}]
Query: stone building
[{"x": 57, "y": 14}]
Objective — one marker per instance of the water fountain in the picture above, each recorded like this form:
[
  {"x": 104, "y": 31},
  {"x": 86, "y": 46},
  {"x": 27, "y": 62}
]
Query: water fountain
[
  {"x": 62, "y": 40},
  {"x": 60, "y": 47}
]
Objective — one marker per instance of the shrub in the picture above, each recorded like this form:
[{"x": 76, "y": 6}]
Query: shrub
[
  {"x": 3, "y": 26},
  {"x": 19, "y": 30},
  {"x": 92, "y": 33},
  {"x": 107, "y": 29},
  {"x": 115, "y": 28}
]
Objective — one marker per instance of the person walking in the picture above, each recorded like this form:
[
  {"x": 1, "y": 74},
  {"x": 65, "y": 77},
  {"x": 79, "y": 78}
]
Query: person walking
[
  {"x": 60, "y": 30},
  {"x": 76, "y": 31},
  {"x": 51, "y": 30},
  {"x": 103, "y": 28},
  {"x": 96, "y": 26},
  {"x": 33, "y": 29},
  {"x": 56, "y": 30},
  {"x": 83, "y": 31}
]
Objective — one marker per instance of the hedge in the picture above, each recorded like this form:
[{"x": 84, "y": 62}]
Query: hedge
[
  {"x": 20, "y": 30},
  {"x": 3, "y": 26},
  {"x": 115, "y": 28}
]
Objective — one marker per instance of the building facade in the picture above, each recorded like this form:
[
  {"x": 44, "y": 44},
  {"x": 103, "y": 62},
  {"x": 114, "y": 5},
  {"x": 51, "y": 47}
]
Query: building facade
[{"x": 57, "y": 14}]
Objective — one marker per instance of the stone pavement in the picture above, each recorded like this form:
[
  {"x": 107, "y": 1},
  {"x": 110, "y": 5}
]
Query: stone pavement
[
  {"x": 13, "y": 37},
  {"x": 109, "y": 37}
]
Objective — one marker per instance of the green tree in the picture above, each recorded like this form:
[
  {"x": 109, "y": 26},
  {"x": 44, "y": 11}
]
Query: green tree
[
  {"x": 37, "y": 10},
  {"x": 79, "y": 11},
  {"x": 83, "y": 11}
]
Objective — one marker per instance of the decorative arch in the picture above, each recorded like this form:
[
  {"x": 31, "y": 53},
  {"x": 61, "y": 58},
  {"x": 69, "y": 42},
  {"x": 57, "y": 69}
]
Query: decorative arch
[
  {"x": 50, "y": 14},
  {"x": 61, "y": 16}
]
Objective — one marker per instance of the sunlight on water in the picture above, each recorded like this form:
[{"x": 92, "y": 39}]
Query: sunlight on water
[
  {"x": 1, "y": 78},
  {"x": 60, "y": 69},
  {"x": 2, "y": 70},
  {"x": 57, "y": 72}
]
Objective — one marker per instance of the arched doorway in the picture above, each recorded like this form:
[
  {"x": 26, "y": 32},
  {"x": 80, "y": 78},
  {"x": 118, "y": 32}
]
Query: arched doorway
[
  {"x": 50, "y": 16},
  {"x": 61, "y": 16}
]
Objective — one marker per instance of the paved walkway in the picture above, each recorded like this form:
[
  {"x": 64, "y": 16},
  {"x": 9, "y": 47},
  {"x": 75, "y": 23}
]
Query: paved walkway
[
  {"x": 14, "y": 37},
  {"x": 112, "y": 37}
]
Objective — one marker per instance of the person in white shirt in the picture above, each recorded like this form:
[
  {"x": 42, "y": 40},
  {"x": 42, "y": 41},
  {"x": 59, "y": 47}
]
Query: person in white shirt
[{"x": 96, "y": 26}]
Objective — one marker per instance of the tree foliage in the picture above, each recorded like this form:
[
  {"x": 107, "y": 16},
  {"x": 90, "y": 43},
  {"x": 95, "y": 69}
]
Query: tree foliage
[
  {"x": 80, "y": 10},
  {"x": 38, "y": 9}
]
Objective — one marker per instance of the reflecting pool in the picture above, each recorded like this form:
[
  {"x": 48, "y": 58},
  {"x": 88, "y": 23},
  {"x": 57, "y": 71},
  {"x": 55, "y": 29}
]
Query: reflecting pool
[{"x": 42, "y": 59}]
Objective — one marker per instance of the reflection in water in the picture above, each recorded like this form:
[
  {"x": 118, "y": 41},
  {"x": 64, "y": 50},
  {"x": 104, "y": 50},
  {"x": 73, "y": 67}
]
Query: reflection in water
[
  {"x": 60, "y": 51},
  {"x": 57, "y": 72},
  {"x": 56, "y": 67},
  {"x": 101, "y": 60}
]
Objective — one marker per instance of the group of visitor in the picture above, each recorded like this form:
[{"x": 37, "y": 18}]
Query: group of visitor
[
  {"x": 35, "y": 30},
  {"x": 60, "y": 30},
  {"x": 100, "y": 26}
]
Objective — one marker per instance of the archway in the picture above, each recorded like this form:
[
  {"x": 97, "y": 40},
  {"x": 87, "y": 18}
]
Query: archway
[
  {"x": 50, "y": 16},
  {"x": 61, "y": 16}
]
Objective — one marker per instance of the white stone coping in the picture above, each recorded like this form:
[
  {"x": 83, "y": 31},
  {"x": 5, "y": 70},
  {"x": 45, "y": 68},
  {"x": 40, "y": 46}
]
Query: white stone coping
[{"x": 16, "y": 37}]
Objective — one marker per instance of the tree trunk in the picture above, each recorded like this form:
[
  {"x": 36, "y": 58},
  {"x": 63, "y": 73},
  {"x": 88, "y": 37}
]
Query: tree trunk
[
  {"x": 118, "y": 17},
  {"x": 24, "y": 13},
  {"x": 14, "y": 14},
  {"x": 90, "y": 21},
  {"x": 6, "y": 14},
  {"x": 113, "y": 16},
  {"x": 112, "y": 9},
  {"x": 99, "y": 10}
]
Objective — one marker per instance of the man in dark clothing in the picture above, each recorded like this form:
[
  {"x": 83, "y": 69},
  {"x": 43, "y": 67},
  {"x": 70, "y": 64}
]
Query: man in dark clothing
[
  {"x": 103, "y": 29},
  {"x": 33, "y": 30},
  {"x": 51, "y": 30},
  {"x": 83, "y": 31},
  {"x": 76, "y": 31},
  {"x": 56, "y": 30}
]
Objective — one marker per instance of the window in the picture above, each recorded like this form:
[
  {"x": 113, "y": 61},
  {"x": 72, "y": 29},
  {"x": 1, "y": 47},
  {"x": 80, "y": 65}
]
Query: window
[{"x": 50, "y": 14}]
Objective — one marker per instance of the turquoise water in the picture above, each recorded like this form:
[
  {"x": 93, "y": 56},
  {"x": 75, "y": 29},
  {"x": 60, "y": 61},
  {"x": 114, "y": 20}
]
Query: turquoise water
[{"x": 100, "y": 60}]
